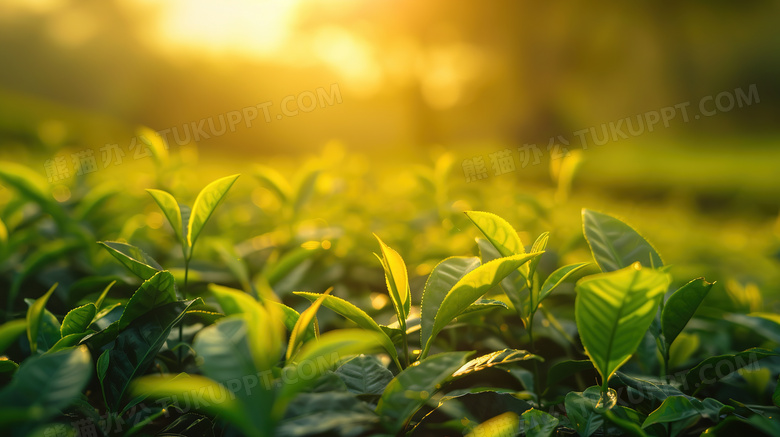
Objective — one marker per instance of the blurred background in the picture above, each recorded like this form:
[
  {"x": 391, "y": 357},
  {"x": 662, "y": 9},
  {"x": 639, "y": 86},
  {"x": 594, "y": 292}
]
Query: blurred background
[{"x": 662, "y": 113}]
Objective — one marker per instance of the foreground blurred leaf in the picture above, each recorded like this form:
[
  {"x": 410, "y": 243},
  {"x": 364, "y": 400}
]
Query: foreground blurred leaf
[
  {"x": 613, "y": 311},
  {"x": 713, "y": 369},
  {"x": 616, "y": 245},
  {"x": 10, "y": 331},
  {"x": 45, "y": 384}
]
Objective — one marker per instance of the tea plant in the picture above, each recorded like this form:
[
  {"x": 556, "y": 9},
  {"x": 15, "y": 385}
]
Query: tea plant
[{"x": 504, "y": 343}]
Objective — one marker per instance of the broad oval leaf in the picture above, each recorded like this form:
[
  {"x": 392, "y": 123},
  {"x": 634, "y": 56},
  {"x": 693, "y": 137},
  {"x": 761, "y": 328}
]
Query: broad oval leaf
[
  {"x": 681, "y": 306},
  {"x": 356, "y": 315},
  {"x": 681, "y": 408},
  {"x": 537, "y": 423},
  {"x": 470, "y": 287},
  {"x": 616, "y": 245},
  {"x": 154, "y": 292},
  {"x": 170, "y": 207},
  {"x": 614, "y": 310},
  {"x": 34, "y": 318},
  {"x": 397, "y": 281},
  {"x": 45, "y": 384},
  {"x": 78, "y": 319},
  {"x": 498, "y": 231},
  {"x": 414, "y": 386},
  {"x": 205, "y": 204},
  {"x": 135, "y": 348},
  {"x": 135, "y": 259},
  {"x": 441, "y": 280},
  {"x": 365, "y": 375}
]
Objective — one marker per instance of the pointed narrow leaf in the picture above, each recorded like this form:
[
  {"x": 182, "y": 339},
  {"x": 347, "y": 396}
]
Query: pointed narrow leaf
[
  {"x": 78, "y": 319},
  {"x": 556, "y": 278},
  {"x": 356, "y": 315},
  {"x": 681, "y": 306},
  {"x": 275, "y": 181},
  {"x": 205, "y": 204},
  {"x": 154, "y": 292},
  {"x": 135, "y": 259},
  {"x": 34, "y": 318},
  {"x": 498, "y": 231},
  {"x": 470, "y": 287},
  {"x": 414, "y": 386},
  {"x": 102, "y": 297},
  {"x": 539, "y": 246},
  {"x": 10, "y": 331},
  {"x": 307, "y": 318},
  {"x": 397, "y": 281},
  {"x": 170, "y": 207},
  {"x": 504, "y": 356},
  {"x": 616, "y": 245},
  {"x": 614, "y": 310},
  {"x": 441, "y": 280}
]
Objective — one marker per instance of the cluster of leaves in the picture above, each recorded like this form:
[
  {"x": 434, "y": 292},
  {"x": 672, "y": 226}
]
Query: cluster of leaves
[{"x": 492, "y": 348}]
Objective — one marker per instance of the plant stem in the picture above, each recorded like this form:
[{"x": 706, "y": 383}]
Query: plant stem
[
  {"x": 406, "y": 348},
  {"x": 530, "y": 329},
  {"x": 184, "y": 296}
]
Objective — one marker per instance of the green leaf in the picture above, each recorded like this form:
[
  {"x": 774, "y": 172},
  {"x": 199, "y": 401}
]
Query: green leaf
[
  {"x": 275, "y": 272},
  {"x": 205, "y": 204},
  {"x": 556, "y": 278},
  {"x": 650, "y": 392},
  {"x": 498, "y": 231},
  {"x": 215, "y": 398},
  {"x": 470, "y": 287},
  {"x": 680, "y": 408},
  {"x": 714, "y": 368},
  {"x": 264, "y": 323},
  {"x": 32, "y": 186},
  {"x": 306, "y": 320},
  {"x": 170, "y": 207},
  {"x": 365, "y": 375},
  {"x": 43, "y": 257},
  {"x": 537, "y": 423},
  {"x": 504, "y": 356},
  {"x": 45, "y": 384},
  {"x": 581, "y": 410},
  {"x": 681, "y": 306},
  {"x": 304, "y": 187},
  {"x": 135, "y": 348},
  {"x": 539, "y": 246},
  {"x": 613, "y": 311},
  {"x": 34, "y": 318},
  {"x": 331, "y": 413},
  {"x": 776, "y": 394},
  {"x": 135, "y": 259},
  {"x": 153, "y": 293},
  {"x": 67, "y": 341},
  {"x": 414, "y": 386},
  {"x": 397, "y": 281},
  {"x": 10, "y": 331},
  {"x": 3, "y": 234},
  {"x": 102, "y": 297},
  {"x": 441, "y": 280},
  {"x": 78, "y": 319},
  {"x": 357, "y": 316},
  {"x": 616, "y": 245}
]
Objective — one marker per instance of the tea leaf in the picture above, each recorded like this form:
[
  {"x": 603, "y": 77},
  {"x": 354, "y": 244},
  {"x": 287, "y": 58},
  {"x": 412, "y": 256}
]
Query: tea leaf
[
  {"x": 135, "y": 259},
  {"x": 205, "y": 204},
  {"x": 364, "y": 375},
  {"x": 616, "y": 245},
  {"x": 10, "y": 331},
  {"x": 78, "y": 319},
  {"x": 154, "y": 292},
  {"x": 397, "y": 281},
  {"x": 35, "y": 317},
  {"x": 498, "y": 231},
  {"x": 170, "y": 207},
  {"x": 681, "y": 306},
  {"x": 537, "y": 423}
]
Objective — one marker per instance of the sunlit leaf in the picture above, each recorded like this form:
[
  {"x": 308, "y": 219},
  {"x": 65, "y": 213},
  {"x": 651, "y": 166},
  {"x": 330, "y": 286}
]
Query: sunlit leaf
[
  {"x": 681, "y": 306},
  {"x": 498, "y": 231},
  {"x": 614, "y": 310},
  {"x": 397, "y": 281},
  {"x": 154, "y": 292},
  {"x": 556, "y": 278},
  {"x": 307, "y": 318},
  {"x": 78, "y": 319},
  {"x": 170, "y": 207},
  {"x": 504, "y": 356},
  {"x": 205, "y": 204}
]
